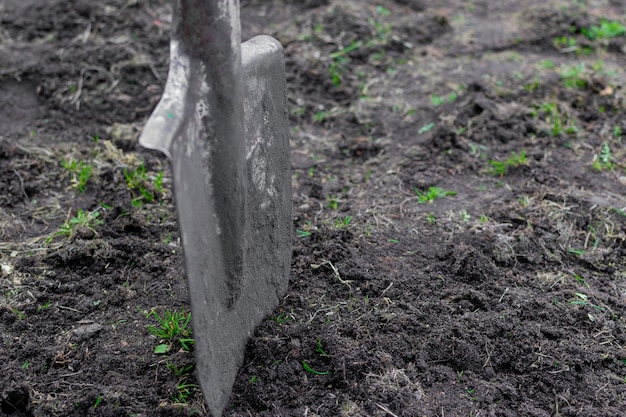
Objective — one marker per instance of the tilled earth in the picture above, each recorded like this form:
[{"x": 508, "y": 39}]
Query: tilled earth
[{"x": 459, "y": 183}]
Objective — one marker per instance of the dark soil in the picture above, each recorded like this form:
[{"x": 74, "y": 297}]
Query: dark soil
[{"x": 507, "y": 298}]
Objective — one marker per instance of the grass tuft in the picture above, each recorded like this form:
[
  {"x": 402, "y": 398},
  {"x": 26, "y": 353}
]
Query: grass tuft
[
  {"x": 501, "y": 167},
  {"x": 432, "y": 193},
  {"x": 173, "y": 326}
]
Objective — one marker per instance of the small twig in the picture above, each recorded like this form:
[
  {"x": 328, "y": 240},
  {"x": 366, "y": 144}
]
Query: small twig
[
  {"x": 335, "y": 272},
  {"x": 21, "y": 183},
  {"x": 402, "y": 205},
  {"x": 72, "y": 374},
  {"x": 386, "y": 410},
  {"x": 154, "y": 72},
  {"x": 84, "y": 37},
  {"x": 600, "y": 389},
  {"x": 319, "y": 311},
  {"x": 376, "y": 220},
  {"x": 79, "y": 88},
  {"x": 68, "y": 308},
  {"x": 112, "y": 86},
  {"x": 488, "y": 356},
  {"x": 386, "y": 289},
  {"x": 503, "y": 294}
]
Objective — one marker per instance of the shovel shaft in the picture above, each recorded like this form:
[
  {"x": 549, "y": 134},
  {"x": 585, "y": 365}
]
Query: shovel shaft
[{"x": 209, "y": 32}]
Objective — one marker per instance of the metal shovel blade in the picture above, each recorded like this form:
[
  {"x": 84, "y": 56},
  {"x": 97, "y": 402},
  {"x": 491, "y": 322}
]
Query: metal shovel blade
[{"x": 223, "y": 122}]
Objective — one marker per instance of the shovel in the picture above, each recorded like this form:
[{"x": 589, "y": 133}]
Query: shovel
[{"x": 222, "y": 121}]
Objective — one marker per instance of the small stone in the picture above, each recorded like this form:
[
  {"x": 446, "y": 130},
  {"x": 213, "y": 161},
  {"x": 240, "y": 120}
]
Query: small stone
[{"x": 87, "y": 330}]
